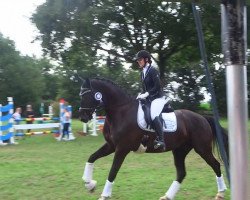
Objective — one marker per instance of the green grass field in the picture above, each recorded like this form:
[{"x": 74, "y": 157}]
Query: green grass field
[{"x": 41, "y": 168}]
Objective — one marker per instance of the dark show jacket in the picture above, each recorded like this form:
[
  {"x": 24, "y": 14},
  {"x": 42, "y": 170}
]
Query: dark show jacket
[{"x": 151, "y": 83}]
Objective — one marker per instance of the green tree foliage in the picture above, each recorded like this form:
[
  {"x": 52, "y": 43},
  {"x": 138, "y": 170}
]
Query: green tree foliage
[
  {"x": 87, "y": 67},
  {"x": 188, "y": 93},
  {"x": 97, "y": 37},
  {"x": 51, "y": 79},
  {"x": 219, "y": 80},
  {"x": 162, "y": 28},
  {"x": 79, "y": 31},
  {"x": 20, "y": 77}
]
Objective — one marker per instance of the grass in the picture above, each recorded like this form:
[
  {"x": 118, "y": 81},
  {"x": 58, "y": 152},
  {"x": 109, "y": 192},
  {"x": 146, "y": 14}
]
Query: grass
[{"x": 41, "y": 168}]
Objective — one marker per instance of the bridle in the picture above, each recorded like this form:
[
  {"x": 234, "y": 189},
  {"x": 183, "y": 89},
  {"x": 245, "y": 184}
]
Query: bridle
[
  {"x": 94, "y": 108},
  {"x": 100, "y": 104}
]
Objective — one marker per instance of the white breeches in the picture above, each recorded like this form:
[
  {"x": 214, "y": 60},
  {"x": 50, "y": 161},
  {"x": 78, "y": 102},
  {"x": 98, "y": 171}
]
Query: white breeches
[{"x": 157, "y": 106}]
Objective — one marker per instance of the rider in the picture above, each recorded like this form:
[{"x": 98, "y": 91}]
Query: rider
[{"x": 153, "y": 91}]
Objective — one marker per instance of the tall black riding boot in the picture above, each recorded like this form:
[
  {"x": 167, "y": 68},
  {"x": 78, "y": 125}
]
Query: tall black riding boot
[{"x": 159, "y": 142}]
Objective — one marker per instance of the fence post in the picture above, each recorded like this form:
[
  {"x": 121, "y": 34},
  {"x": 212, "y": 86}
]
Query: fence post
[
  {"x": 1, "y": 133},
  {"x": 11, "y": 120},
  {"x": 94, "y": 125}
]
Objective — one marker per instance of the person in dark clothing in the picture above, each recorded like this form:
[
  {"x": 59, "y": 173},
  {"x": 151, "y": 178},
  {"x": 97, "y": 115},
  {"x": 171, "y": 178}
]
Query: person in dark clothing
[
  {"x": 152, "y": 90},
  {"x": 29, "y": 114}
]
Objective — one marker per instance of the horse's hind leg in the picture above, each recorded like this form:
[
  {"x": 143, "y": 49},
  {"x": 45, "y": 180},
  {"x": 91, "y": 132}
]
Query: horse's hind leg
[
  {"x": 208, "y": 156},
  {"x": 179, "y": 160},
  {"x": 105, "y": 150}
]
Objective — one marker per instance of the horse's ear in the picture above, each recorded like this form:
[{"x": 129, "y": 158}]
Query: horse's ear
[
  {"x": 77, "y": 77},
  {"x": 87, "y": 83}
]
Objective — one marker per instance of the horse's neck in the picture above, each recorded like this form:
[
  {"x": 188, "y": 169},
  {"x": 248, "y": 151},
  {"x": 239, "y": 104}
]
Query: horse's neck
[
  {"x": 116, "y": 102},
  {"x": 112, "y": 95}
]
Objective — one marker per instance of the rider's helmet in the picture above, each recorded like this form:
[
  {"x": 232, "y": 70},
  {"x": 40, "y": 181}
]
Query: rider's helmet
[{"x": 143, "y": 54}]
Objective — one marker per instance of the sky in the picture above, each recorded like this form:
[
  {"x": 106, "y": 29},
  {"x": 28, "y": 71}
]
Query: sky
[{"x": 15, "y": 25}]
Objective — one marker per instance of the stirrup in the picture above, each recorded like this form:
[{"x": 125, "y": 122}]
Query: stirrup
[{"x": 159, "y": 145}]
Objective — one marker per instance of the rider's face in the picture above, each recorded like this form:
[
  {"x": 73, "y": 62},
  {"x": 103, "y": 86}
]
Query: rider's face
[{"x": 141, "y": 62}]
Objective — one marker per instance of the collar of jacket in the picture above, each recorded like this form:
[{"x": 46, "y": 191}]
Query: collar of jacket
[{"x": 142, "y": 74}]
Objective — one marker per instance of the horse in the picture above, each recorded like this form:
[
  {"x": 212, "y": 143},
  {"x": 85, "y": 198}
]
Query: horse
[{"x": 123, "y": 135}]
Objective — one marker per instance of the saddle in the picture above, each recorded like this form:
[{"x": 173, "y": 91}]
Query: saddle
[{"x": 145, "y": 104}]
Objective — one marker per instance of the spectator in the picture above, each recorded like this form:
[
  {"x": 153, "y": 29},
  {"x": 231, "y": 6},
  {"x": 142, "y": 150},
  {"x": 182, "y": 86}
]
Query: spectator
[
  {"x": 29, "y": 114},
  {"x": 66, "y": 123},
  {"x": 17, "y": 115}
]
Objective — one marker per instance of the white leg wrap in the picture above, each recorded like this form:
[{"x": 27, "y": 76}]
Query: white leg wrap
[
  {"x": 221, "y": 184},
  {"x": 174, "y": 188},
  {"x": 90, "y": 186},
  {"x": 88, "y": 172},
  {"x": 107, "y": 190}
]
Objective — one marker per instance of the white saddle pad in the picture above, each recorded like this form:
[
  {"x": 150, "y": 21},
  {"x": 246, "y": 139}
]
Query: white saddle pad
[{"x": 169, "y": 119}]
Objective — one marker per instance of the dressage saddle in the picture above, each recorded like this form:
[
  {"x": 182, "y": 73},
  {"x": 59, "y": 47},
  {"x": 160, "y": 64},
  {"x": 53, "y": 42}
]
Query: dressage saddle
[{"x": 146, "y": 103}]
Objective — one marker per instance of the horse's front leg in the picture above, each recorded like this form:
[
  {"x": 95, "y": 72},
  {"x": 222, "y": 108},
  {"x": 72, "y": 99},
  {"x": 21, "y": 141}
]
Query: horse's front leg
[
  {"x": 119, "y": 157},
  {"x": 105, "y": 150}
]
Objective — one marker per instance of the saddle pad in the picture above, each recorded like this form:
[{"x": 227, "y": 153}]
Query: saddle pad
[{"x": 169, "y": 119}]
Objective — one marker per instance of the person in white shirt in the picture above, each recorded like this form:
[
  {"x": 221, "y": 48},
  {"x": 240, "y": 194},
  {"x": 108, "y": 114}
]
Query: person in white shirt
[
  {"x": 17, "y": 115},
  {"x": 66, "y": 122}
]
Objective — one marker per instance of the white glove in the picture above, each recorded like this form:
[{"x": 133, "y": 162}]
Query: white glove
[{"x": 142, "y": 96}]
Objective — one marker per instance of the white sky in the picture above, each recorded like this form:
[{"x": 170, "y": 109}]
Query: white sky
[{"x": 15, "y": 24}]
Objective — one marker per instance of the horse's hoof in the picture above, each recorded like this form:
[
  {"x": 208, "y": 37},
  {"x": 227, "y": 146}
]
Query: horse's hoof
[
  {"x": 219, "y": 196},
  {"x": 164, "y": 198},
  {"x": 90, "y": 186},
  {"x": 104, "y": 198}
]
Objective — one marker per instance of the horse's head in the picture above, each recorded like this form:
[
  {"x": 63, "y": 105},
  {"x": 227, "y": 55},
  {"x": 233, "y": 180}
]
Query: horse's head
[{"x": 90, "y": 101}]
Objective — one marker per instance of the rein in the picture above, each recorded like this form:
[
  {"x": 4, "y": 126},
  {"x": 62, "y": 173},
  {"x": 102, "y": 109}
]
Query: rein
[
  {"x": 118, "y": 105},
  {"x": 102, "y": 105},
  {"x": 89, "y": 108}
]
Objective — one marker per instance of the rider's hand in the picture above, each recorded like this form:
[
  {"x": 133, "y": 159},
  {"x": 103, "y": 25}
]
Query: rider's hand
[{"x": 142, "y": 96}]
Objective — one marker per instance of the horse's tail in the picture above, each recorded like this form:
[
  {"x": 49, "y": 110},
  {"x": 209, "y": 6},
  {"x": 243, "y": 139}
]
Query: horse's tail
[{"x": 223, "y": 132}]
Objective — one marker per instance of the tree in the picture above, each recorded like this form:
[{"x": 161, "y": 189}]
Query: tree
[
  {"x": 77, "y": 30},
  {"x": 187, "y": 91},
  {"x": 20, "y": 76},
  {"x": 50, "y": 78},
  {"x": 162, "y": 28},
  {"x": 87, "y": 67}
]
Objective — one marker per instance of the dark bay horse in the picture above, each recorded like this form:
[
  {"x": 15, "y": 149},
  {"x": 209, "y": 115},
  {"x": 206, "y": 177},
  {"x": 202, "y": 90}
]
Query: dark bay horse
[{"x": 122, "y": 135}]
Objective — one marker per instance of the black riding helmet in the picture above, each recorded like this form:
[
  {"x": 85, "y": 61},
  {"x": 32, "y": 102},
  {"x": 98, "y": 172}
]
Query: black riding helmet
[{"x": 143, "y": 54}]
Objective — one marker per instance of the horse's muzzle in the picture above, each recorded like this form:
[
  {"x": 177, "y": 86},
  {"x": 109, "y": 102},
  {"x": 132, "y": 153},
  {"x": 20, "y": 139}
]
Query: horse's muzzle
[
  {"x": 84, "y": 117},
  {"x": 84, "y": 120}
]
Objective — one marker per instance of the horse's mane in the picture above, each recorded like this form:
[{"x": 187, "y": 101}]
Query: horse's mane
[{"x": 113, "y": 84}]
